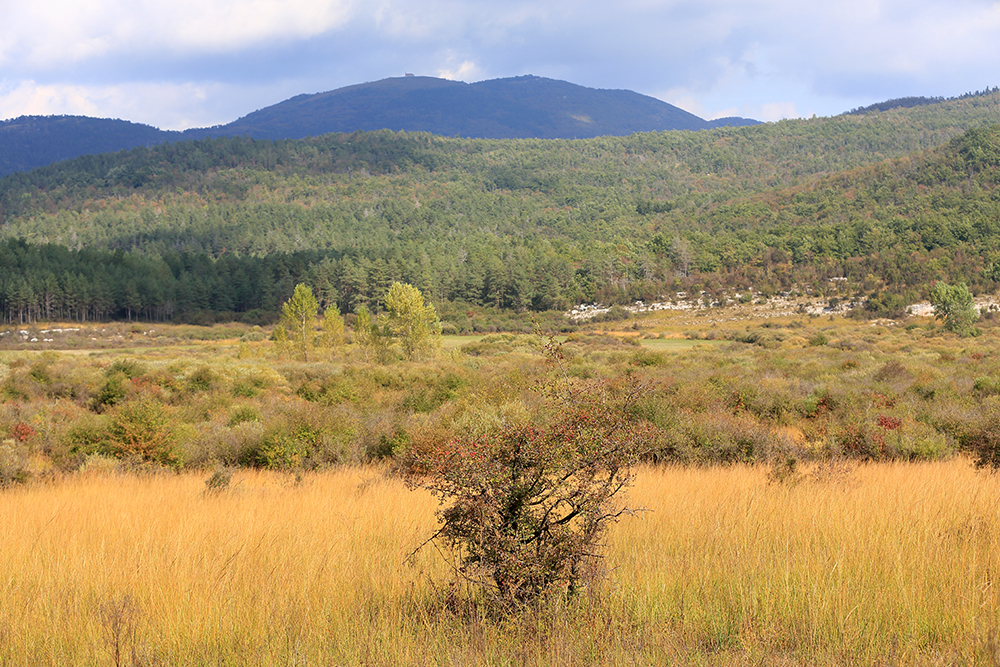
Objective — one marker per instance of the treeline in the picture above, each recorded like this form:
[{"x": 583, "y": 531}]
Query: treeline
[{"x": 52, "y": 282}]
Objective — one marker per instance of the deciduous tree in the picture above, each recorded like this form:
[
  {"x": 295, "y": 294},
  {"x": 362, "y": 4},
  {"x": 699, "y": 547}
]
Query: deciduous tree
[
  {"x": 298, "y": 317},
  {"x": 414, "y": 323},
  {"x": 333, "y": 328},
  {"x": 954, "y": 305}
]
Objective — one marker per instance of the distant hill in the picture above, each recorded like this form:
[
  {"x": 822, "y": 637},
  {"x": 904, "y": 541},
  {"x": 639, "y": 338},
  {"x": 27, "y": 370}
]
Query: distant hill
[
  {"x": 33, "y": 141},
  {"x": 520, "y": 107}
]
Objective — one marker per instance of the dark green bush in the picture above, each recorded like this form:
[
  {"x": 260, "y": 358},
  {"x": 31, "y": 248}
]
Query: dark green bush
[
  {"x": 388, "y": 445},
  {"x": 649, "y": 358},
  {"x": 282, "y": 448},
  {"x": 130, "y": 368},
  {"x": 202, "y": 378},
  {"x": 986, "y": 386},
  {"x": 87, "y": 436},
  {"x": 430, "y": 398},
  {"x": 112, "y": 392},
  {"x": 818, "y": 339}
]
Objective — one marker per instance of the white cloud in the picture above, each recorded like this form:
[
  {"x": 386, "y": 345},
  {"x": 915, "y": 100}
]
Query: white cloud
[
  {"x": 29, "y": 99},
  {"x": 53, "y": 33},
  {"x": 168, "y": 106},
  {"x": 713, "y": 57},
  {"x": 776, "y": 111},
  {"x": 466, "y": 70}
]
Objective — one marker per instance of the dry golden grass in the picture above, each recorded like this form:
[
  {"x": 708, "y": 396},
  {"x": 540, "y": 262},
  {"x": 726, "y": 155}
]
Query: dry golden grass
[{"x": 882, "y": 564}]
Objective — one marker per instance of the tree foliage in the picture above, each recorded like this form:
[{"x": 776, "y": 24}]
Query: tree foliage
[
  {"x": 333, "y": 328},
  {"x": 369, "y": 334},
  {"x": 954, "y": 305},
  {"x": 298, "y": 317},
  {"x": 412, "y": 322}
]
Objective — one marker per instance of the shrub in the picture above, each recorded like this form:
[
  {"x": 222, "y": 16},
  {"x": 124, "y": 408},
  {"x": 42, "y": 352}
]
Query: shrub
[
  {"x": 388, "y": 445},
  {"x": 982, "y": 437},
  {"x": 955, "y": 306},
  {"x": 891, "y": 438},
  {"x": 649, "y": 358},
  {"x": 219, "y": 481},
  {"x": 251, "y": 382},
  {"x": 112, "y": 392},
  {"x": 429, "y": 398},
  {"x": 22, "y": 432},
  {"x": 232, "y": 446},
  {"x": 525, "y": 505},
  {"x": 492, "y": 345},
  {"x": 862, "y": 441},
  {"x": 818, "y": 339},
  {"x": 13, "y": 464},
  {"x": 88, "y": 437},
  {"x": 243, "y": 413},
  {"x": 279, "y": 451},
  {"x": 142, "y": 430},
  {"x": 985, "y": 386},
  {"x": 718, "y": 438},
  {"x": 339, "y": 389},
  {"x": 283, "y": 446},
  {"x": 130, "y": 368},
  {"x": 202, "y": 378}
]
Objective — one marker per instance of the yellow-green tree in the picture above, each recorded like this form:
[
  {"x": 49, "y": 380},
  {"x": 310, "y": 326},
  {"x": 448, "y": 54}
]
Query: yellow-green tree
[
  {"x": 411, "y": 321},
  {"x": 369, "y": 335},
  {"x": 333, "y": 328},
  {"x": 955, "y": 306},
  {"x": 298, "y": 317}
]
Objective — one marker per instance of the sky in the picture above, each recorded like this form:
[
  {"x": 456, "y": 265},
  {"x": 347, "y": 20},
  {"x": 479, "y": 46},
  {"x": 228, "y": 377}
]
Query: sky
[{"x": 177, "y": 64}]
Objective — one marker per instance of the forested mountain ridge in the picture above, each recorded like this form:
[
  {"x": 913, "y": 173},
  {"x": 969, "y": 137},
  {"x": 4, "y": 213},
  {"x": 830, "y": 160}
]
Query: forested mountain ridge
[
  {"x": 230, "y": 225},
  {"x": 519, "y": 107},
  {"x": 513, "y": 108},
  {"x": 28, "y": 142}
]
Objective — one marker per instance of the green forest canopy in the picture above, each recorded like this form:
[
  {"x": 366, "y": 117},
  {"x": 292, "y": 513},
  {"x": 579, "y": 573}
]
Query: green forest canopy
[{"x": 890, "y": 200}]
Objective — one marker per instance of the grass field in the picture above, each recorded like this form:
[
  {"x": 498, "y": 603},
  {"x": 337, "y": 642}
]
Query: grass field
[
  {"x": 876, "y": 564},
  {"x": 814, "y": 502}
]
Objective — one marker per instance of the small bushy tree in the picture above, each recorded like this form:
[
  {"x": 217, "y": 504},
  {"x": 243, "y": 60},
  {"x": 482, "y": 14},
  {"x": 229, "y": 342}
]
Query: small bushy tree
[
  {"x": 407, "y": 321},
  {"x": 954, "y": 305},
  {"x": 143, "y": 430},
  {"x": 524, "y": 507}
]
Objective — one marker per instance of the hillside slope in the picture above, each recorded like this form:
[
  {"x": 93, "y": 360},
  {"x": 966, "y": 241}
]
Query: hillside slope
[{"x": 232, "y": 224}]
